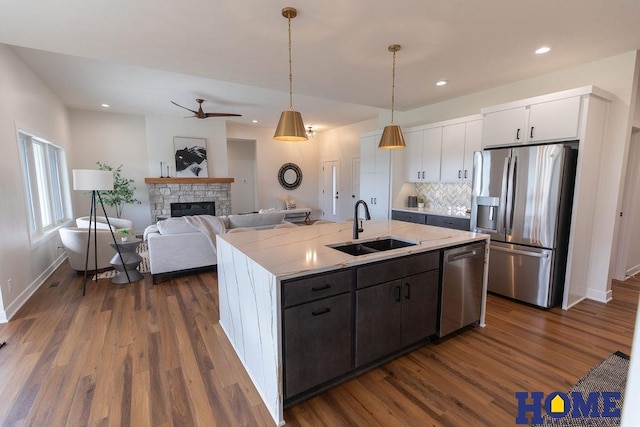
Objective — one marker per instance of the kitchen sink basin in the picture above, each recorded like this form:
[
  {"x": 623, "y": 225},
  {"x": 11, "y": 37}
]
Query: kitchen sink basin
[{"x": 370, "y": 247}]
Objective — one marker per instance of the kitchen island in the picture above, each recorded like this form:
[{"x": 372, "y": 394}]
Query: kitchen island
[{"x": 265, "y": 277}]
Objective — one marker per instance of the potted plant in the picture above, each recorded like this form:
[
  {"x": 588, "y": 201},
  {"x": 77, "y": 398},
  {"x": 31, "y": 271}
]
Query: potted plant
[
  {"x": 420, "y": 202},
  {"x": 123, "y": 189},
  {"x": 124, "y": 234}
]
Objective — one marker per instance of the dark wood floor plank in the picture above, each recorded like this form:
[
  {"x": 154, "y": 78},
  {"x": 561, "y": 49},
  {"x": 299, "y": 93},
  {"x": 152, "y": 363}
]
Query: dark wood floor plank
[{"x": 140, "y": 354}]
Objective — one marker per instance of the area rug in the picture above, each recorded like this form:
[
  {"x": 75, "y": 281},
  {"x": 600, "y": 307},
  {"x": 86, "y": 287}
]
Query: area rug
[
  {"x": 143, "y": 251},
  {"x": 610, "y": 375}
]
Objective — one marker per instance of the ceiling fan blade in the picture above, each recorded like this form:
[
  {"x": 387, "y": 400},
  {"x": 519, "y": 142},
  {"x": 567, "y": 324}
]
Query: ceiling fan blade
[
  {"x": 222, "y": 115},
  {"x": 189, "y": 109}
]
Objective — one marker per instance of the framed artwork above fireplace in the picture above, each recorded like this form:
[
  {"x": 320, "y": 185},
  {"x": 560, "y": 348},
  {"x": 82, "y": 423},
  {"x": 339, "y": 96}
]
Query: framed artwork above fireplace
[{"x": 191, "y": 157}]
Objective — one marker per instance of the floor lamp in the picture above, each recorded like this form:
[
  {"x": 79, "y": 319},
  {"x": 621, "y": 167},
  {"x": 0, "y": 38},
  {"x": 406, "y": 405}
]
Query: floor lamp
[{"x": 95, "y": 180}]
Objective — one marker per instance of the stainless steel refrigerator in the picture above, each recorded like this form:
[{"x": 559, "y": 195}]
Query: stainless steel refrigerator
[{"x": 522, "y": 197}]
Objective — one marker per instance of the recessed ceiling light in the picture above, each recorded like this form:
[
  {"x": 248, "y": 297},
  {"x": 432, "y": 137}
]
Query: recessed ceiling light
[
  {"x": 542, "y": 50},
  {"x": 441, "y": 83},
  {"x": 254, "y": 121},
  {"x": 106, "y": 105}
]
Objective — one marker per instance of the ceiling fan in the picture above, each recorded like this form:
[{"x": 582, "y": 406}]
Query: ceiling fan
[{"x": 201, "y": 114}]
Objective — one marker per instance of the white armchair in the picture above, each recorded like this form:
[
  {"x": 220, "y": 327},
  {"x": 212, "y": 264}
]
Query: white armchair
[
  {"x": 101, "y": 223},
  {"x": 74, "y": 240}
]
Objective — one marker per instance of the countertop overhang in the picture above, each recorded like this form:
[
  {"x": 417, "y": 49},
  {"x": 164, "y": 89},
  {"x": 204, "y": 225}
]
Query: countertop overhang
[{"x": 291, "y": 252}]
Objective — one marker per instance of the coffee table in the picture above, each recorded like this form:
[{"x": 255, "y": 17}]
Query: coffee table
[{"x": 129, "y": 262}]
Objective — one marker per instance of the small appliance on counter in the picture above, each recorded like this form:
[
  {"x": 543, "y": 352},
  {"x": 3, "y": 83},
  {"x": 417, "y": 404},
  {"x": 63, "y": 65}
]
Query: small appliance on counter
[{"x": 412, "y": 201}]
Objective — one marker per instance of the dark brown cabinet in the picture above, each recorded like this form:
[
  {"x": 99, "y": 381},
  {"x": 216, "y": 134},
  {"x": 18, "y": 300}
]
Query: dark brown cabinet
[
  {"x": 395, "y": 314},
  {"x": 419, "y": 307},
  {"x": 458, "y": 223},
  {"x": 377, "y": 322},
  {"x": 336, "y": 323},
  {"x": 417, "y": 218},
  {"x": 449, "y": 222},
  {"x": 317, "y": 330}
]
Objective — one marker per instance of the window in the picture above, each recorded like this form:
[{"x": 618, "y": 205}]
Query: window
[{"x": 45, "y": 183}]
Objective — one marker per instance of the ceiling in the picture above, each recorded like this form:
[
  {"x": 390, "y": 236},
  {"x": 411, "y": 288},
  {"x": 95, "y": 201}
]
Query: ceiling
[{"x": 139, "y": 55}]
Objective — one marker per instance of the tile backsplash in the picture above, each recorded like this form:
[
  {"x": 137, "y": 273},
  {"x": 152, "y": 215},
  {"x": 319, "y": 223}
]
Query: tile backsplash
[{"x": 444, "y": 195}]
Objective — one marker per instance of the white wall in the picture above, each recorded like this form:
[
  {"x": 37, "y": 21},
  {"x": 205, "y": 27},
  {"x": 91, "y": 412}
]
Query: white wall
[
  {"x": 343, "y": 144},
  {"x": 114, "y": 139},
  {"x": 241, "y": 155},
  {"x": 160, "y": 132},
  {"x": 271, "y": 155},
  {"x": 26, "y": 103}
]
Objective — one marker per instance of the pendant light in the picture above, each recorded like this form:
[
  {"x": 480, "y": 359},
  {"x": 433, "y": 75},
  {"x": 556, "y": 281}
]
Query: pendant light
[
  {"x": 290, "y": 127},
  {"x": 392, "y": 135}
]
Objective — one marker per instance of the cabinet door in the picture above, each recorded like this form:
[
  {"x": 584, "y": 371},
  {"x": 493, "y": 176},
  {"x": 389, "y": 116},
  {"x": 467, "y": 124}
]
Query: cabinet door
[
  {"x": 554, "y": 120},
  {"x": 317, "y": 343},
  {"x": 367, "y": 187},
  {"x": 413, "y": 156},
  {"x": 431, "y": 151},
  {"x": 368, "y": 147},
  {"x": 377, "y": 321},
  {"x": 504, "y": 127},
  {"x": 419, "y": 307},
  {"x": 453, "y": 139},
  {"x": 416, "y": 218},
  {"x": 472, "y": 143}
]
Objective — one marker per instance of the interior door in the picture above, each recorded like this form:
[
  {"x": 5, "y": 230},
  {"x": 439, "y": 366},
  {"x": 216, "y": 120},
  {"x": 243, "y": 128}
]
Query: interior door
[{"x": 330, "y": 189}]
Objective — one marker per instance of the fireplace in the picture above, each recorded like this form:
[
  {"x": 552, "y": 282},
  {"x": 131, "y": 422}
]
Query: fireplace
[
  {"x": 163, "y": 192},
  {"x": 193, "y": 208}
]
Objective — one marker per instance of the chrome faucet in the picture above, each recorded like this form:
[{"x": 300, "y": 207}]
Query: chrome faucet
[{"x": 357, "y": 229}]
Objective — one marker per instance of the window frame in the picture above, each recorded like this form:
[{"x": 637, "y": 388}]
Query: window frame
[{"x": 45, "y": 183}]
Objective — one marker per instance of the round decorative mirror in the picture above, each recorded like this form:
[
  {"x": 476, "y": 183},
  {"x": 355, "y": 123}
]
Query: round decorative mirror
[{"x": 290, "y": 176}]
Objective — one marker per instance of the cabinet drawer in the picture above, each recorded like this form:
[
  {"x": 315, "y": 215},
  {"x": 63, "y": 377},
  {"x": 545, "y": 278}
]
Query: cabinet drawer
[
  {"x": 317, "y": 343},
  {"x": 416, "y": 218},
  {"x": 449, "y": 222},
  {"x": 386, "y": 271},
  {"x": 311, "y": 288}
]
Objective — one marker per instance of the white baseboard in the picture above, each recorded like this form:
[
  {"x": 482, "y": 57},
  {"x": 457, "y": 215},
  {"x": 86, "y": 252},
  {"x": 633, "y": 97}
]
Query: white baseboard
[
  {"x": 13, "y": 308},
  {"x": 633, "y": 271},
  {"x": 599, "y": 296}
]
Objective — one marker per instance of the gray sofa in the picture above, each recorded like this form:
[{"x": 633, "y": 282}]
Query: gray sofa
[{"x": 175, "y": 245}]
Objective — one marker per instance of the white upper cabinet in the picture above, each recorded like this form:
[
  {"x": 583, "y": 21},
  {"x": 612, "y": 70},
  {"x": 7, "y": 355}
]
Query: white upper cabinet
[
  {"x": 452, "y": 152},
  {"x": 413, "y": 156},
  {"x": 422, "y": 154},
  {"x": 431, "y": 152},
  {"x": 504, "y": 127},
  {"x": 459, "y": 142},
  {"x": 472, "y": 143},
  {"x": 554, "y": 120},
  {"x": 551, "y": 120}
]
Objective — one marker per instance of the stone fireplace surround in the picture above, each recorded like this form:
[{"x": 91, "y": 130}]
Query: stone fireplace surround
[{"x": 164, "y": 191}]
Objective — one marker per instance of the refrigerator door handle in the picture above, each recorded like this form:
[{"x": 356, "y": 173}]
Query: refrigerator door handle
[
  {"x": 511, "y": 189},
  {"x": 518, "y": 252},
  {"x": 502, "y": 220}
]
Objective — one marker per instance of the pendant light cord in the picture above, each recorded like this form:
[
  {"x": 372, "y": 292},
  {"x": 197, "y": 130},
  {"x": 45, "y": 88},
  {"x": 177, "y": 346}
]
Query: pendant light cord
[
  {"x": 393, "y": 86},
  {"x": 290, "y": 71}
]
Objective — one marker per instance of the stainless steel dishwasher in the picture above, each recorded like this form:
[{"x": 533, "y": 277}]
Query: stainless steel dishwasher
[{"x": 462, "y": 277}]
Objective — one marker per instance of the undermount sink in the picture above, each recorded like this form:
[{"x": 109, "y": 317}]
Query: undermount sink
[{"x": 372, "y": 246}]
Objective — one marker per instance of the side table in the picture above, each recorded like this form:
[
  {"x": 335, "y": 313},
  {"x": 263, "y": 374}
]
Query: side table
[{"x": 129, "y": 262}]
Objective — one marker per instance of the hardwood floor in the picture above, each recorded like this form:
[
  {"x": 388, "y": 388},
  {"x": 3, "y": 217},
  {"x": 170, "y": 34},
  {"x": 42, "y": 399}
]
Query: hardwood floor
[{"x": 136, "y": 355}]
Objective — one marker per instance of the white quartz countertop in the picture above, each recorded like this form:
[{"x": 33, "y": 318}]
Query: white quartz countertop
[
  {"x": 291, "y": 252},
  {"x": 453, "y": 212}
]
